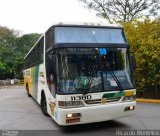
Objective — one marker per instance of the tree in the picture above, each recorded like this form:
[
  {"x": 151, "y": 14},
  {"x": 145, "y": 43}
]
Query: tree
[
  {"x": 12, "y": 51},
  {"x": 23, "y": 45},
  {"x": 144, "y": 38},
  {"x": 7, "y": 42},
  {"x": 121, "y": 11}
]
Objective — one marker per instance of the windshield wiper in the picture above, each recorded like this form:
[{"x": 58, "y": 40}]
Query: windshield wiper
[
  {"x": 93, "y": 72},
  {"x": 116, "y": 79}
]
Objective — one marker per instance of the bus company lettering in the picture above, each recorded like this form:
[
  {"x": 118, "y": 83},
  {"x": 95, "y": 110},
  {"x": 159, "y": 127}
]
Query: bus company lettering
[{"x": 79, "y": 98}]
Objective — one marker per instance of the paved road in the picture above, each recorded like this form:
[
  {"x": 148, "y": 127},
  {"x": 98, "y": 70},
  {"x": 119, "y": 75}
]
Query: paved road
[{"x": 19, "y": 112}]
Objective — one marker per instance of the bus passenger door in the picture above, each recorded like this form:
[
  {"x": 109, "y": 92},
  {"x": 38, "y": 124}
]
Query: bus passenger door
[{"x": 51, "y": 73}]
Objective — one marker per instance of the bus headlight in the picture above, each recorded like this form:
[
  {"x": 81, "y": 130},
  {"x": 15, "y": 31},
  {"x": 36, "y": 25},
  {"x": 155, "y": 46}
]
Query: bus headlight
[
  {"x": 130, "y": 108},
  {"x": 73, "y": 115},
  {"x": 70, "y": 104},
  {"x": 129, "y": 98},
  {"x": 70, "y": 115}
]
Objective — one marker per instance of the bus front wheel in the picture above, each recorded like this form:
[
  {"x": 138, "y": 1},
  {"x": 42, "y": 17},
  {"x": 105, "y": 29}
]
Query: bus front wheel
[{"x": 44, "y": 105}]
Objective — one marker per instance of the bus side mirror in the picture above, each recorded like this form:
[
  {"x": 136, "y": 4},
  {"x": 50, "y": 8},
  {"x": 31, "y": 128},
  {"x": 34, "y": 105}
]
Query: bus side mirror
[{"x": 133, "y": 60}]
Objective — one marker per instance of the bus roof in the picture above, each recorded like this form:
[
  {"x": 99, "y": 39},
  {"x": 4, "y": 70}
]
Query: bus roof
[
  {"x": 80, "y": 24},
  {"x": 85, "y": 24}
]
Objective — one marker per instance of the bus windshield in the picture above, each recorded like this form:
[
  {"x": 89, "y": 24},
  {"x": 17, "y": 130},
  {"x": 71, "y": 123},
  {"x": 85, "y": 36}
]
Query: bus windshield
[{"x": 85, "y": 70}]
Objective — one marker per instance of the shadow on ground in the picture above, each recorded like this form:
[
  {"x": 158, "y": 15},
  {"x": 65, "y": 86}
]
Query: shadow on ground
[{"x": 106, "y": 126}]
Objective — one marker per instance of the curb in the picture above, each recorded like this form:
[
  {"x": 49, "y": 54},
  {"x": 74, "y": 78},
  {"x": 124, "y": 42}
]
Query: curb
[
  {"x": 148, "y": 101},
  {"x": 9, "y": 86}
]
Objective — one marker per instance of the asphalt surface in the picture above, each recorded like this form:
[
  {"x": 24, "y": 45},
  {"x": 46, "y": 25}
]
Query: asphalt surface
[{"x": 21, "y": 113}]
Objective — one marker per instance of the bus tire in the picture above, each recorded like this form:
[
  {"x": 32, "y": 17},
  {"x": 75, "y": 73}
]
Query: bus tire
[
  {"x": 44, "y": 105},
  {"x": 27, "y": 88}
]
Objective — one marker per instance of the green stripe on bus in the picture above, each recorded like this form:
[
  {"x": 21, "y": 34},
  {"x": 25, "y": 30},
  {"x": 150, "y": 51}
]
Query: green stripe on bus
[
  {"x": 119, "y": 94},
  {"x": 113, "y": 95},
  {"x": 35, "y": 81}
]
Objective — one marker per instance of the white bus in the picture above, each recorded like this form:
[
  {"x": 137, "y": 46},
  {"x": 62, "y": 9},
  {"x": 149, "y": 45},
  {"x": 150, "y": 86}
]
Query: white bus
[{"x": 81, "y": 74}]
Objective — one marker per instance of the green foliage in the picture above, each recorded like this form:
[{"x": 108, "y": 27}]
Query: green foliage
[
  {"x": 144, "y": 38},
  {"x": 23, "y": 45},
  {"x": 12, "y": 51}
]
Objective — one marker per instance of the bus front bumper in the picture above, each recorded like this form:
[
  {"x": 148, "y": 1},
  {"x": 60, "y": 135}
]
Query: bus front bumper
[{"x": 96, "y": 113}]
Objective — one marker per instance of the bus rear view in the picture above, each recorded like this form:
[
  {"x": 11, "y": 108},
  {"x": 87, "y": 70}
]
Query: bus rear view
[{"x": 89, "y": 74}]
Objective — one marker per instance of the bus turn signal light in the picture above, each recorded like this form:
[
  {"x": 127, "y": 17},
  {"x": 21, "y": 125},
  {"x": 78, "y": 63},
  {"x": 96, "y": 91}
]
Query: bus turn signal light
[{"x": 74, "y": 120}]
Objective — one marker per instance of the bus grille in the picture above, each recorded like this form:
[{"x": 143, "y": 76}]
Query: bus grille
[{"x": 98, "y": 101}]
